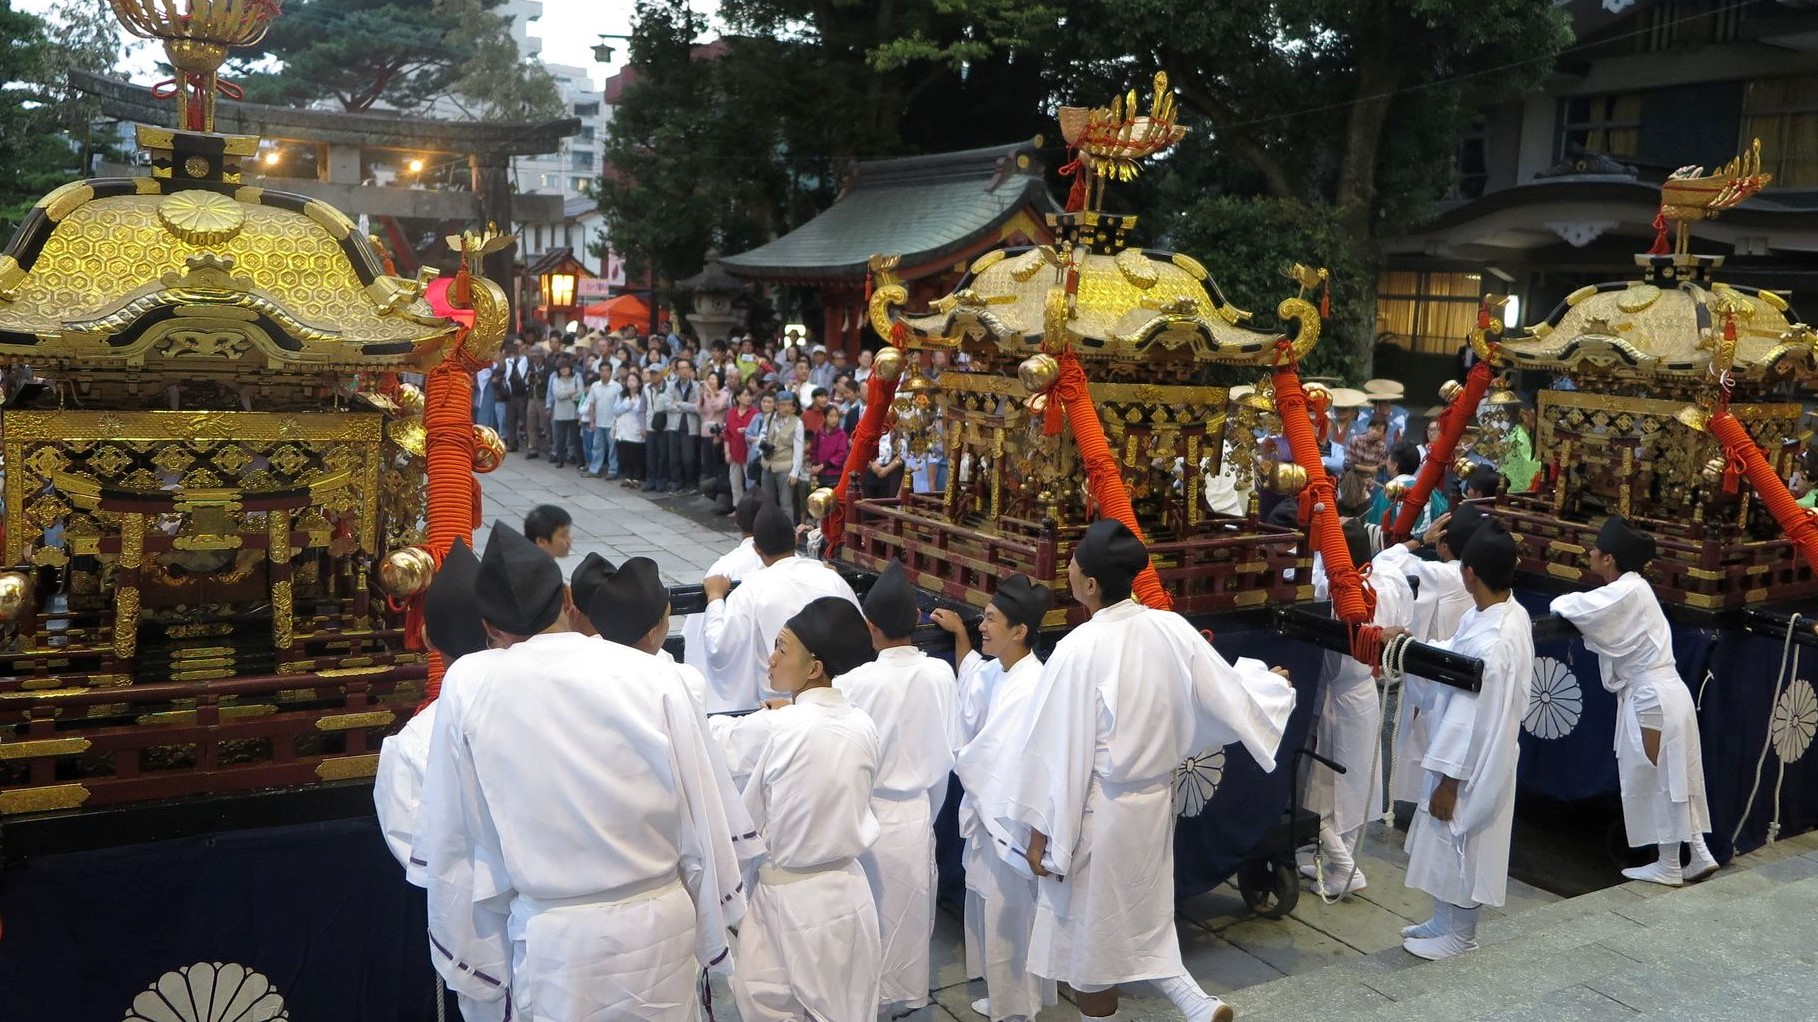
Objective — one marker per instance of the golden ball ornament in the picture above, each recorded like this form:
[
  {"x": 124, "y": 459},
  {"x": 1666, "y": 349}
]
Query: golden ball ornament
[
  {"x": 820, "y": 502},
  {"x": 1038, "y": 373},
  {"x": 488, "y": 449},
  {"x": 888, "y": 363},
  {"x": 15, "y": 595},
  {"x": 1449, "y": 391},
  {"x": 409, "y": 435},
  {"x": 1394, "y": 490},
  {"x": 405, "y": 573},
  {"x": 1463, "y": 466},
  {"x": 410, "y": 400},
  {"x": 1289, "y": 479}
]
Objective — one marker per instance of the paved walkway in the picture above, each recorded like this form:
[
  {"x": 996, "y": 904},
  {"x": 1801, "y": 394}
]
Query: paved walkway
[{"x": 681, "y": 534}]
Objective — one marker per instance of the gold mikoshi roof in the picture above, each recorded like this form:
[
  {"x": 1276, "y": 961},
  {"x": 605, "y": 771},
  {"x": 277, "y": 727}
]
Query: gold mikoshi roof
[
  {"x": 122, "y": 270},
  {"x": 1668, "y": 324},
  {"x": 1131, "y": 304}
]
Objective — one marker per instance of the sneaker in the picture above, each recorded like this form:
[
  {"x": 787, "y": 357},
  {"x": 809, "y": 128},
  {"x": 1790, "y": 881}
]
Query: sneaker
[
  {"x": 612, "y": 477},
  {"x": 1214, "y": 1010},
  {"x": 1440, "y": 948}
]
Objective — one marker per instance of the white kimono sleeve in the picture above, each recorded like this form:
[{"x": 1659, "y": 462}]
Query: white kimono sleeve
[
  {"x": 1606, "y": 617},
  {"x": 1059, "y": 739},
  {"x": 1233, "y": 702},
  {"x": 971, "y": 698},
  {"x": 741, "y": 740},
  {"x": 457, "y": 852},
  {"x": 712, "y": 840}
]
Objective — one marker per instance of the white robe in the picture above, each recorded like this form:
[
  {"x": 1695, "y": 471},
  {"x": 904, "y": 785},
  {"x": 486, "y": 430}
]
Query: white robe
[
  {"x": 397, "y": 794},
  {"x": 1129, "y": 695},
  {"x": 1474, "y": 738},
  {"x": 570, "y": 794},
  {"x": 735, "y": 564},
  {"x": 809, "y": 946},
  {"x": 1000, "y": 890},
  {"x": 909, "y": 695},
  {"x": 739, "y": 632},
  {"x": 1438, "y": 605},
  {"x": 1349, "y": 727},
  {"x": 1623, "y": 624}
]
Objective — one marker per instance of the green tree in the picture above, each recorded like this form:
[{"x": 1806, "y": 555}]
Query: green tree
[
  {"x": 45, "y": 129},
  {"x": 402, "y": 53}
]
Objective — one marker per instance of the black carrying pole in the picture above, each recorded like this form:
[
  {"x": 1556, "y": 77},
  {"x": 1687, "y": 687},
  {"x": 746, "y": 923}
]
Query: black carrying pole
[{"x": 1313, "y": 623}]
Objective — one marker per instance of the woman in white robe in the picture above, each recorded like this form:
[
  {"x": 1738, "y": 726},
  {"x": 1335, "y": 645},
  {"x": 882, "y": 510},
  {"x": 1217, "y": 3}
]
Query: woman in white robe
[
  {"x": 1659, "y": 755},
  {"x": 809, "y": 946},
  {"x": 1128, "y": 696},
  {"x": 1458, "y": 842},
  {"x": 909, "y": 696},
  {"x": 1000, "y": 890},
  {"x": 1348, "y": 730}
]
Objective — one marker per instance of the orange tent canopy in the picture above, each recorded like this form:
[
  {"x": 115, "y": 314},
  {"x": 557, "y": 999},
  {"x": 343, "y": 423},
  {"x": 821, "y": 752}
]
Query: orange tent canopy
[{"x": 614, "y": 313}]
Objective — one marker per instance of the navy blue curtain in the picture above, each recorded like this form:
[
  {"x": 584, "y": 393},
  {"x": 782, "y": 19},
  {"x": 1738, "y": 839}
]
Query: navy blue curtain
[
  {"x": 1209, "y": 847},
  {"x": 321, "y": 910},
  {"x": 1742, "y": 715}
]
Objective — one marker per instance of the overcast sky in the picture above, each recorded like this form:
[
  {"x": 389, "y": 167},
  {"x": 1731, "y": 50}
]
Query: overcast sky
[{"x": 568, "y": 28}]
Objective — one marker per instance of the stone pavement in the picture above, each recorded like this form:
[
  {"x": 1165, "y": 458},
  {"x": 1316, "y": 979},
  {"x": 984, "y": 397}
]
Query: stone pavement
[{"x": 681, "y": 534}]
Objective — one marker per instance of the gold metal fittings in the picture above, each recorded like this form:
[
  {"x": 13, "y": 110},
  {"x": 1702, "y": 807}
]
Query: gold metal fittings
[{"x": 201, "y": 218}]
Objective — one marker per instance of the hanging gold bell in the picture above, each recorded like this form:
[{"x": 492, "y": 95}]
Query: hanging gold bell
[
  {"x": 1450, "y": 391},
  {"x": 820, "y": 502},
  {"x": 405, "y": 573},
  {"x": 488, "y": 449},
  {"x": 1288, "y": 479},
  {"x": 888, "y": 363},
  {"x": 1038, "y": 373}
]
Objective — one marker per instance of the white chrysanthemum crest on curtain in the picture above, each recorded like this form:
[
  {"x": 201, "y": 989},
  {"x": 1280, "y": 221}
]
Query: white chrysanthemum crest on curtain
[
  {"x": 1196, "y": 781},
  {"x": 1795, "y": 721},
  {"x": 209, "y": 992},
  {"x": 1555, "y": 700}
]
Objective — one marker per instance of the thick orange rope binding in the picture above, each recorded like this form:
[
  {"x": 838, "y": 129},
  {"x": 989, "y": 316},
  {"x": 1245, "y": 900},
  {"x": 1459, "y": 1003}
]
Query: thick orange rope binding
[
  {"x": 1104, "y": 479},
  {"x": 1352, "y": 599},
  {"x": 1452, "y": 423},
  {"x": 1739, "y": 448},
  {"x": 879, "y": 392}
]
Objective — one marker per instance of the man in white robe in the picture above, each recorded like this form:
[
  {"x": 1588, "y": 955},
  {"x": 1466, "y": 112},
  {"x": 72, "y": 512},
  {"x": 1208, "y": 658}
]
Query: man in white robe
[
  {"x": 909, "y": 696},
  {"x": 809, "y": 947},
  {"x": 740, "y": 629},
  {"x": 451, "y": 628},
  {"x": 1440, "y": 600},
  {"x": 570, "y": 799},
  {"x": 734, "y": 564},
  {"x": 1458, "y": 842},
  {"x": 1348, "y": 730},
  {"x": 1659, "y": 755},
  {"x": 1128, "y": 696},
  {"x": 1000, "y": 890}
]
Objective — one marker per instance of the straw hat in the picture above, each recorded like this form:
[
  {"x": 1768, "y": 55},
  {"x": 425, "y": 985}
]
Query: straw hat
[
  {"x": 1346, "y": 397},
  {"x": 1384, "y": 390},
  {"x": 1240, "y": 391}
]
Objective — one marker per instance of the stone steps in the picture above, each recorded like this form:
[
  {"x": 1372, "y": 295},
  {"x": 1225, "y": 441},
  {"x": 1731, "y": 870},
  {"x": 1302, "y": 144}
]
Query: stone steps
[{"x": 1741, "y": 945}]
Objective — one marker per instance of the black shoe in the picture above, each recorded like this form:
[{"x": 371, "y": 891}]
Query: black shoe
[
  {"x": 561, "y": 464},
  {"x": 532, "y": 456}
]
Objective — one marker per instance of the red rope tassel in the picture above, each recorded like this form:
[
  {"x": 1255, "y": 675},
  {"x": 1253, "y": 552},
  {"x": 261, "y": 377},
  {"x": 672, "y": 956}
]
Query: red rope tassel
[{"x": 879, "y": 392}]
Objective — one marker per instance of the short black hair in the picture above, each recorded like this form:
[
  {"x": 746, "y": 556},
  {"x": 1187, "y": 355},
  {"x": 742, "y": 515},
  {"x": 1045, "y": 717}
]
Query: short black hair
[
  {"x": 1115, "y": 587},
  {"x": 543, "y": 521},
  {"x": 1405, "y": 459}
]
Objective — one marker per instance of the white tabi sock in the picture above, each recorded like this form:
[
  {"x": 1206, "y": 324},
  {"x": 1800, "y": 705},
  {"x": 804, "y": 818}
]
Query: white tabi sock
[
  {"x": 1664, "y": 870},
  {"x": 1433, "y": 927},
  {"x": 1190, "y": 1000},
  {"x": 1703, "y": 862},
  {"x": 1083, "y": 1017},
  {"x": 1464, "y": 923}
]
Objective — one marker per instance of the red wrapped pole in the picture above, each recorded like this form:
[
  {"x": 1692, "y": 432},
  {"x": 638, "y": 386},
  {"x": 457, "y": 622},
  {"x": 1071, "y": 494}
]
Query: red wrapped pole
[
  {"x": 1352, "y": 600},
  {"x": 879, "y": 392},
  {"x": 1452, "y": 425},
  {"x": 1739, "y": 448},
  {"x": 1104, "y": 478}
]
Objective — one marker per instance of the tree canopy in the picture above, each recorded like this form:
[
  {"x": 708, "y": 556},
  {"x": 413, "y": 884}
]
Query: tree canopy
[
  {"x": 397, "y": 53},
  {"x": 46, "y": 129}
]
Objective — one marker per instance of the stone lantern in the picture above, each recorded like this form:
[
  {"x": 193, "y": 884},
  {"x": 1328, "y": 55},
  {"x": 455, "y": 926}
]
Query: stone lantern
[{"x": 714, "y": 290}]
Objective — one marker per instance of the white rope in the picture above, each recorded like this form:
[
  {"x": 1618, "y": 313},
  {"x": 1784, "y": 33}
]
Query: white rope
[
  {"x": 441, "y": 999},
  {"x": 1393, "y": 656},
  {"x": 1706, "y": 683},
  {"x": 1787, "y": 652}
]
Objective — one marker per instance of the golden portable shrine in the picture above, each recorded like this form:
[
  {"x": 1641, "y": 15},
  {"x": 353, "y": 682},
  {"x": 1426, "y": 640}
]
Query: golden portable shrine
[
  {"x": 1654, "y": 360},
  {"x": 1062, "y": 362},
  {"x": 209, "y": 457}
]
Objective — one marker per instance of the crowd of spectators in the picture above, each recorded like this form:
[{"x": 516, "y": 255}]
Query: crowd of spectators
[{"x": 670, "y": 416}]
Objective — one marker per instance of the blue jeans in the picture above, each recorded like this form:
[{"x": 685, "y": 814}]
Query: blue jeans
[
  {"x": 605, "y": 452},
  {"x": 484, "y": 415},
  {"x": 586, "y": 445}
]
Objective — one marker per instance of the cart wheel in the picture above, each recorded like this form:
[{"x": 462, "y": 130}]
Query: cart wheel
[{"x": 1270, "y": 888}]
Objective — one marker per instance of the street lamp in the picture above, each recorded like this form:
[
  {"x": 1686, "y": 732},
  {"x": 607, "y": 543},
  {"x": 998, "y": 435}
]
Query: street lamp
[
  {"x": 558, "y": 290},
  {"x": 602, "y": 52}
]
